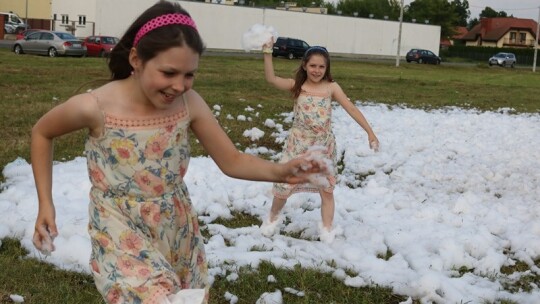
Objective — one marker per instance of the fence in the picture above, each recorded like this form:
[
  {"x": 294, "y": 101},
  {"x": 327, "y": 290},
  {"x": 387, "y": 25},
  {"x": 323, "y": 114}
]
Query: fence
[{"x": 478, "y": 53}]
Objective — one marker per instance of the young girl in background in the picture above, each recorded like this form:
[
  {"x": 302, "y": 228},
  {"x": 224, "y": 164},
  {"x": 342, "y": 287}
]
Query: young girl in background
[
  {"x": 146, "y": 243},
  {"x": 313, "y": 90}
]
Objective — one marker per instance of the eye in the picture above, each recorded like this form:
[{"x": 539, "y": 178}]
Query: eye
[{"x": 169, "y": 73}]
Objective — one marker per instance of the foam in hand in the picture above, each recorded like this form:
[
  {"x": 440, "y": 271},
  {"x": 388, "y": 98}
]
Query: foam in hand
[
  {"x": 316, "y": 154},
  {"x": 47, "y": 245},
  {"x": 257, "y": 36}
]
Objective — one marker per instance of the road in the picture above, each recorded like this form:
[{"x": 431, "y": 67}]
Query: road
[
  {"x": 9, "y": 44},
  {"x": 6, "y": 43}
]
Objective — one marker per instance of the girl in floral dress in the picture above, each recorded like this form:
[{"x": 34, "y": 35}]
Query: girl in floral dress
[
  {"x": 146, "y": 243},
  {"x": 313, "y": 90}
]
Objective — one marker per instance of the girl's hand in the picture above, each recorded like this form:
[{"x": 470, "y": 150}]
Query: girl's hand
[
  {"x": 269, "y": 44},
  {"x": 298, "y": 170},
  {"x": 373, "y": 142},
  {"x": 45, "y": 231}
]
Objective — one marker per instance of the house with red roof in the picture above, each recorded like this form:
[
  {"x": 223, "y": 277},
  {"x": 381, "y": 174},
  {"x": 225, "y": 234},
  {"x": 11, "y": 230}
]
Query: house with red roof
[
  {"x": 460, "y": 32},
  {"x": 502, "y": 32}
]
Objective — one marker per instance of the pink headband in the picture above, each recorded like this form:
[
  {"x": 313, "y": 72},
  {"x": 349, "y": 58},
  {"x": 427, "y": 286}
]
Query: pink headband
[{"x": 162, "y": 21}]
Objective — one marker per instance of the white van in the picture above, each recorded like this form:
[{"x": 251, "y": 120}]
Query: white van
[{"x": 13, "y": 23}]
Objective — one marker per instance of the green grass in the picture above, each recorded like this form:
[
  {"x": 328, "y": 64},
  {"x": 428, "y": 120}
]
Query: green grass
[{"x": 31, "y": 85}]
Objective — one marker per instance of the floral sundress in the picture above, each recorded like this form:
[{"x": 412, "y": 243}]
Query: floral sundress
[
  {"x": 145, "y": 236},
  {"x": 312, "y": 126}
]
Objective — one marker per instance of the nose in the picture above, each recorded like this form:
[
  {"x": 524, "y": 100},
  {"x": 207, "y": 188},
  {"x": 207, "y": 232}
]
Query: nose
[{"x": 179, "y": 84}]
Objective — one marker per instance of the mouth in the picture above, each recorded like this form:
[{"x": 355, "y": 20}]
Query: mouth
[{"x": 169, "y": 98}]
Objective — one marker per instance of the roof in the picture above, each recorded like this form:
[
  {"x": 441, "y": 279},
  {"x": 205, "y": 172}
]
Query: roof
[
  {"x": 460, "y": 32},
  {"x": 493, "y": 29}
]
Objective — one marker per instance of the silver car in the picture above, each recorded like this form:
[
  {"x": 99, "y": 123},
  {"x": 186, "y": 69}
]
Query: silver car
[
  {"x": 50, "y": 43},
  {"x": 503, "y": 59}
]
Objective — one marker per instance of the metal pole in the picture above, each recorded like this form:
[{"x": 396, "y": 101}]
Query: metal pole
[
  {"x": 399, "y": 33},
  {"x": 26, "y": 13},
  {"x": 536, "y": 40}
]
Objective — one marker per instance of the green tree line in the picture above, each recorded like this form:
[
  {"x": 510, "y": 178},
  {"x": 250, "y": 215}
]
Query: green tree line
[{"x": 448, "y": 14}]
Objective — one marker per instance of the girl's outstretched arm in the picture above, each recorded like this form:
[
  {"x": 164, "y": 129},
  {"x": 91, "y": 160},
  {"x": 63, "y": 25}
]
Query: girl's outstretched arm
[
  {"x": 234, "y": 163},
  {"x": 276, "y": 81},
  {"x": 76, "y": 113},
  {"x": 339, "y": 96}
]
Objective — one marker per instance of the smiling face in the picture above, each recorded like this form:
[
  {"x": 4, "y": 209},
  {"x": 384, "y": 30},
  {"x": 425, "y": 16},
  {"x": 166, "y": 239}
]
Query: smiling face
[
  {"x": 315, "y": 68},
  {"x": 166, "y": 76}
]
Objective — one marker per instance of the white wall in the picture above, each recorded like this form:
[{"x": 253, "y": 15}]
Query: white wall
[
  {"x": 222, "y": 27},
  {"x": 73, "y": 9}
]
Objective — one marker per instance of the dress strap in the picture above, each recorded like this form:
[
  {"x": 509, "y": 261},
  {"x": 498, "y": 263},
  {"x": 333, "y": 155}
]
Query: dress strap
[
  {"x": 328, "y": 90},
  {"x": 185, "y": 104},
  {"x": 98, "y": 103}
]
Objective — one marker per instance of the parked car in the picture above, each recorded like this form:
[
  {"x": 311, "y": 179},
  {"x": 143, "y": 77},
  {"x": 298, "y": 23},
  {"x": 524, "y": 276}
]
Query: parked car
[
  {"x": 289, "y": 47},
  {"x": 100, "y": 46},
  {"x": 422, "y": 56},
  {"x": 13, "y": 23},
  {"x": 50, "y": 43},
  {"x": 503, "y": 59},
  {"x": 23, "y": 34}
]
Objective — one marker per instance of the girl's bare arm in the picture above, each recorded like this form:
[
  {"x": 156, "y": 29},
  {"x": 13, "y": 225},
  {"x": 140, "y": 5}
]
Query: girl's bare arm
[
  {"x": 77, "y": 113},
  {"x": 231, "y": 161},
  {"x": 278, "y": 82},
  {"x": 340, "y": 96}
]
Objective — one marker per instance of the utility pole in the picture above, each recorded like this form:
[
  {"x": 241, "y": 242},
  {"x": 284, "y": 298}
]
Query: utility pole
[
  {"x": 536, "y": 40},
  {"x": 26, "y": 13},
  {"x": 399, "y": 33}
]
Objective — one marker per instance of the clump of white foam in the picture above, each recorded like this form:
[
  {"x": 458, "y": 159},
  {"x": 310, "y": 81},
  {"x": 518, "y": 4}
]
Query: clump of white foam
[
  {"x": 317, "y": 155},
  {"x": 47, "y": 246},
  {"x": 257, "y": 36}
]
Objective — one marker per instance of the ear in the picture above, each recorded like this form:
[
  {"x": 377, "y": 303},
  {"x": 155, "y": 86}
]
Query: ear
[{"x": 134, "y": 60}]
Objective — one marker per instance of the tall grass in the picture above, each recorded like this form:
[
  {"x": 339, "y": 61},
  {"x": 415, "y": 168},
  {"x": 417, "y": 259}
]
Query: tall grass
[{"x": 32, "y": 85}]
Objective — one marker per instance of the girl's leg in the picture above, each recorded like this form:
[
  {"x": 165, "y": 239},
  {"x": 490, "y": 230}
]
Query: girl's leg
[
  {"x": 277, "y": 205},
  {"x": 270, "y": 225},
  {"x": 327, "y": 209}
]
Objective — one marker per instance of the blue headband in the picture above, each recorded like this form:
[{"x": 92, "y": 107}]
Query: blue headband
[{"x": 318, "y": 48}]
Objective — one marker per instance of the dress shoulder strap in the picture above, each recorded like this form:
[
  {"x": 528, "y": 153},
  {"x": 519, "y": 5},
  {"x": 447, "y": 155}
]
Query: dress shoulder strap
[
  {"x": 98, "y": 103},
  {"x": 185, "y": 105}
]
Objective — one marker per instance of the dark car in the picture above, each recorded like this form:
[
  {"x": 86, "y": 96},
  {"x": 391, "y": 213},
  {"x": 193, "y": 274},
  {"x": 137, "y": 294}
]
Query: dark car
[
  {"x": 503, "y": 59},
  {"x": 289, "y": 47},
  {"x": 100, "y": 46},
  {"x": 50, "y": 43},
  {"x": 422, "y": 56}
]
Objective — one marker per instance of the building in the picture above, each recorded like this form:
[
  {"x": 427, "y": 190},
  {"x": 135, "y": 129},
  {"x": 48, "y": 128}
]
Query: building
[
  {"x": 502, "y": 32},
  {"x": 36, "y": 13},
  {"x": 343, "y": 35},
  {"x": 460, "y": 32}
]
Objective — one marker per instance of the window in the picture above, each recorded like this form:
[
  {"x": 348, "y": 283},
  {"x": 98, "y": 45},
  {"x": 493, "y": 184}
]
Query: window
[
  {"x": 512, "y": 37},
  {"x": 82, "y": 20},
  {"x": 65, "y": 19},
  {"x": 522, "y": 37},
  {"x": 47, "y": 36},
  {"x": 15, "y": 19},
  {"x": 34, "y": 36}
]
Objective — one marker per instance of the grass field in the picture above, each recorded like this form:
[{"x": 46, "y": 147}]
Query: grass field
[{"x": 31, "y": 85}]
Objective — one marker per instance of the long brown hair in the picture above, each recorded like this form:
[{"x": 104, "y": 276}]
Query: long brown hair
[
  {"x": 301, "y": 74},
  {"x": 155, "y": 41}
]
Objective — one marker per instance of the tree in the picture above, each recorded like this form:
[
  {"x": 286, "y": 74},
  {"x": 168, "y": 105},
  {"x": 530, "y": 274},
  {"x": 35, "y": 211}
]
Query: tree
[
  {"x": 488, "y": 12},
  {"x": 462, "y": 11},
  {"x": 472, "y": 23},
  {"x": 377, "y": 8},
  {"x": 439, "y": 12}
]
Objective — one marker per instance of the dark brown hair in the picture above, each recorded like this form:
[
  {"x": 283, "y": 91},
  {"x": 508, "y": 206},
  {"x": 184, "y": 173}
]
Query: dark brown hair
[
  {"x": 155, "y": 41},
  {"x": 301, "y": 74}
]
